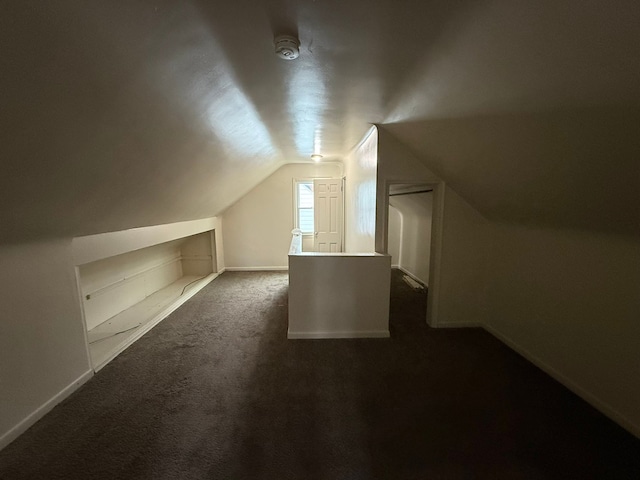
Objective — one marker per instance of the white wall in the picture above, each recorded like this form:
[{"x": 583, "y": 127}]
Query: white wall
[
  {"x": 360, "y": 195},
  {"x": 570, "y": 301},
  {"x": 415, "y": 240},
  {"x": 464, "y": 251},
  {"x": 395, "y": 235},
  {"x": 43, "y": 353},
  {"x": 116, "y": 283},
  {"x": 103, "y": 245},
  {"x": 396, "y": 164},
  {"x": 339, "y": 295},
  {"x": 459, "y": 238},
  {"x": 567, "y": 300},
  {"x": 197, "y": 254},
  {"x": 257, "y": 228},
  {"x": 43, "y": 350}
]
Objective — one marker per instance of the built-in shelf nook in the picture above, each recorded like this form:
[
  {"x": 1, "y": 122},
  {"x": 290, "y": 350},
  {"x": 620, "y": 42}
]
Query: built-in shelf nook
[{"x": 126, "y": 294}]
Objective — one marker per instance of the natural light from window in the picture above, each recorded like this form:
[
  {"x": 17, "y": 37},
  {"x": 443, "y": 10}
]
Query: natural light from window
[{"x": 304, "y": 214}]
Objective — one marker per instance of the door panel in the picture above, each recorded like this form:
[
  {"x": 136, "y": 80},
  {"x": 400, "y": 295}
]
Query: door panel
[{"x": 328, "y": 214}]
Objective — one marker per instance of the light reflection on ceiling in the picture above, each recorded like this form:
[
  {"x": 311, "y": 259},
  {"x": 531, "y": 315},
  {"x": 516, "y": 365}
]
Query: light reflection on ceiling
[
  {"x": 306, "y": 104},
  {"x": 113, "y": 104}
]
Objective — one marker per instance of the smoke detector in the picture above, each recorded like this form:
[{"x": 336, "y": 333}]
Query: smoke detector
[{"x": 287, "y": 47}]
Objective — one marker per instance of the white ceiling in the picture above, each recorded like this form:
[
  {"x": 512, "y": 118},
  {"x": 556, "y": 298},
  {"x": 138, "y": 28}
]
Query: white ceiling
[{"x": 122, "y": 114}]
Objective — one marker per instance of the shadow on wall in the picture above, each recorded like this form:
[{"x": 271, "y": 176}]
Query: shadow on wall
[
  {"x": 412, "y": 235},
  {"x": 574, "y": 168}
]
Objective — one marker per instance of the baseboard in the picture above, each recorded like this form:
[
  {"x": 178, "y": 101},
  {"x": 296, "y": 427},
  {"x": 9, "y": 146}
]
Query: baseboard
[
  {"x": 459, "y": 325},
  {"x": 594, "y": 401},
  {"x": 351, "y": 334},
  {"x": 45, "y": 408},
  {"x": 257, "y": 269},
  {"x": 221, "y": 271},
  {"x": 407, "y": 272}
]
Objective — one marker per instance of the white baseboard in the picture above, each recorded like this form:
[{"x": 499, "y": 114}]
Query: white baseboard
[
  {"x": 258, "y": 269},
  {"x": 45, "y": 408},
  {"x": 407, "y": 272},
  {"x": 598, "y": 404},
  {"x": 459, "y": 325},
  {"x": 352, "y": 334},
  {"x": 221, "y": 271}
]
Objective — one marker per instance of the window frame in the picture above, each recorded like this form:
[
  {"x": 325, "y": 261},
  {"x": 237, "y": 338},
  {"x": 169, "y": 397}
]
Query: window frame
[{"x": 296, "y": 182}]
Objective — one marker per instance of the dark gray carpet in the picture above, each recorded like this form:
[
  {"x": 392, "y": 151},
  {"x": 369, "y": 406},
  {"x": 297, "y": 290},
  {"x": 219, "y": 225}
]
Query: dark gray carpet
[{"x": 216, "y": 391}]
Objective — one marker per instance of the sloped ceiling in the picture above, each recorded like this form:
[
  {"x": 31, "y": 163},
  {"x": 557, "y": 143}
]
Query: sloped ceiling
[
  {"x": 129, "y": 113},
  {"x": 531, "y": 111}
]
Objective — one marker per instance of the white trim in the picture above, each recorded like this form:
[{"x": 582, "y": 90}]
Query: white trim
[
  {"x": 349, "y": 334},
  {"x": 43, "y": 409},
  {"x": 435, "y": 262},
  {"x": 590, "y": 398},
  {"x": 460, "y": 325},
  {"x": 437, "y": 228},
  {"x": 343, "y": 228},
  {"x": 157, "y": 319},
  {"x": 222, "y": 270},
  {"x": 257, "y": 269},
  {"x": 82, "y": 315},
  {"x": 296, "y": 182},
  {"x": 407, "y": 272},
  {"x": 104, "y": 245}
]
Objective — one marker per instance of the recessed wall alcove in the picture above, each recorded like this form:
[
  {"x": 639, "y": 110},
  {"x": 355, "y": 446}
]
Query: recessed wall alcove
[{"x": 126, "y": 294}]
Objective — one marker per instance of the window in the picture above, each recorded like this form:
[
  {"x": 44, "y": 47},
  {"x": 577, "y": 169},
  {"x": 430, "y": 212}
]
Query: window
[{"x": 304, "y": 206}]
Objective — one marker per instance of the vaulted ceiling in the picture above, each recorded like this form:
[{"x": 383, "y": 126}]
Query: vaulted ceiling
[{"x": 128, "y": 113}]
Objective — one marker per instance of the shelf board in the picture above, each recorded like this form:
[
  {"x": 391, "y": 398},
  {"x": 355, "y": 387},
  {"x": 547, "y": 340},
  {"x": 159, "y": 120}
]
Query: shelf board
[{"x": 110, "y": 338}]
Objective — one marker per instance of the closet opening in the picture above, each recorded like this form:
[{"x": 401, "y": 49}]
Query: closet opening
[{"x": 410, "y": 231}]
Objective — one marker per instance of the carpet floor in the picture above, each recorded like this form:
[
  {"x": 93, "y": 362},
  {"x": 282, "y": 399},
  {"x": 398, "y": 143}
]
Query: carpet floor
[{"x": 216, "y": 391}]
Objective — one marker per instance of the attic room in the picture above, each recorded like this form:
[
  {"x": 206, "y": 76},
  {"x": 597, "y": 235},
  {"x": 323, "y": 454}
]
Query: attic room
[{"x": 152, "y": 151}]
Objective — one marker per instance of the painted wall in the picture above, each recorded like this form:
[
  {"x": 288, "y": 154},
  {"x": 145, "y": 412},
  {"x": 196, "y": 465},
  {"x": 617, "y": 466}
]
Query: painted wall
[
  {"x": 360, "y": 195},
  {"x": 197, "y": 254},
  {"x": 110, "y": 286},
  {"x": 42, "y": 343},
  {"x": 459, "y": 237},
  {"x": 395, "y": 235},
  {"x": 569, "y": 301},
  {"x": 464, "y": 253},
  {"x": 95, "y": 247},
  {"x": 339, "y": 295},
  {"x": 43, "y": 352},
  {"x": 415, "y": 241},
  {"x": 257, "y": 228},
  {"x": 397, "y": 164}
]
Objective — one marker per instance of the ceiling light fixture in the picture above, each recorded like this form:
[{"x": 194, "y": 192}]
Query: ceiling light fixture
[
  {"x": 316, "y": 157},
  {"x": 287, "y": 47}
]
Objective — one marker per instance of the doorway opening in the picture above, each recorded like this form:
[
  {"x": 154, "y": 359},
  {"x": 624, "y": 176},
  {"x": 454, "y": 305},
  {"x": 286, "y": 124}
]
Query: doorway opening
[
  {"x": 409, "y": 236},
  {"x": 319, "y": 212}
]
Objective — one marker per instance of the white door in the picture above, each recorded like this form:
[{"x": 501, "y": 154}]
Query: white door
[{"x": 327, "y": 199}]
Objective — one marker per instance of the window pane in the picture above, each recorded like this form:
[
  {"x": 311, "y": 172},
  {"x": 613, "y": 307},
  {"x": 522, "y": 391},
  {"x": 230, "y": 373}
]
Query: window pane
[
  {"x": 305, "y": 220},
  {"x": 305, "y": 195},
  {"x": 305, "y": 206}
]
